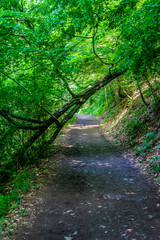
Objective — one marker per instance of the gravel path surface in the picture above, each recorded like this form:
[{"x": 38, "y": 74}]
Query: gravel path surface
[{"x": 98, "y": 194}]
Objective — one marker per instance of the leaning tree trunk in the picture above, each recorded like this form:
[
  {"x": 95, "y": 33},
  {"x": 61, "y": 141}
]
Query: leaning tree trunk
[{"x": 74, "y": 104}]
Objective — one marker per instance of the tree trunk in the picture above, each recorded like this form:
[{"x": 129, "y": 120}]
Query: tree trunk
[
  {"x": 76, "y": 102},
  {"x": 142, "y": 97}
]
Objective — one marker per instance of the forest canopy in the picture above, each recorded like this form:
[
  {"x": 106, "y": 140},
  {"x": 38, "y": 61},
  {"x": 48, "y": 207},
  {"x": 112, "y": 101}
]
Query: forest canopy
[{"x": 54, "y": 55}]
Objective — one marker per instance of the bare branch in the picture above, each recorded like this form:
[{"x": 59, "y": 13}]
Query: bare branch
[
  {"x": 29, "y": 94},
  {"x": 18, "y": 35},
  {"x": 113, "y": 64},
  {"x": 53, "y": 117},
  {"x": 94, "y": 51},
  {"x": 63, "y": 99},
  {"x": 141, "y": 94},
  {"x": 76, "y": 103},
  {"x": 93, "y": 44},
  {"x": 3, "y": 113},
  {"x": 23, "y": 118},
  {"x": 17, "y": 83},
  {"x": 65, "y": 82},
  {"x": 127, "y": 95}
]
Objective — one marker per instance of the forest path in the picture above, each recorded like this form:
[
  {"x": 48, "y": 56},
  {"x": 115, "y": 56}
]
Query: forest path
[{"x": 98, "y": 195}]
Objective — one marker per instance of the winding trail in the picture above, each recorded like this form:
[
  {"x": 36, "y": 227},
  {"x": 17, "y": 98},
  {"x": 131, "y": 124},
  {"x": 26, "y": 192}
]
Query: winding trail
[{"x": 98, "y": 195}]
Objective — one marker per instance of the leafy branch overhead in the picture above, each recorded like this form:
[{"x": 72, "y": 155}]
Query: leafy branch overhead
[{"x": 55, "y": 55}]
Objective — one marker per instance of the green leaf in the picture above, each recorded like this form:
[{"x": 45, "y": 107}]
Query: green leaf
[
  {"x": 157, "y": 147},
  {"x": 149, "y": 134}
]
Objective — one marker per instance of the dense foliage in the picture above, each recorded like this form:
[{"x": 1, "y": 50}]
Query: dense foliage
[{"x": 51, "y": 51}]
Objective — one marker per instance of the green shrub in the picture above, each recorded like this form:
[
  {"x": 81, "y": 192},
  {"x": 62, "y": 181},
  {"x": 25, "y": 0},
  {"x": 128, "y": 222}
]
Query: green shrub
[
  {"x": 147, "y": 144},
  {"x": 3, "y": 205},
  {"x": 154, "y": 165},
  {"x": 134, "y": 128},
  {"x": 18, "y": 185}
]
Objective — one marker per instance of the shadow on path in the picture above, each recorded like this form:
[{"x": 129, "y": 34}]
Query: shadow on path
[{"x": 98, "y": 196}]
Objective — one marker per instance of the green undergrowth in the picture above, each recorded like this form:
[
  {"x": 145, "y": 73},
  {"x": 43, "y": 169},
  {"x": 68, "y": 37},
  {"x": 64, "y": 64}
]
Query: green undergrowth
[
  {"x": 154, "y": 165},
  {"x": 132, "y": 124},
  {"x": 21, "y": 181},
  {"x": 148, "y": 149},
  {"x": 11, "y": 194},
  {"x": 137, "y": 126},
  {"x": 148, "y": 143}
]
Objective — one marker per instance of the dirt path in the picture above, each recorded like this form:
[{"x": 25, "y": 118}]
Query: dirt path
[{"x": 98, "y": 195}]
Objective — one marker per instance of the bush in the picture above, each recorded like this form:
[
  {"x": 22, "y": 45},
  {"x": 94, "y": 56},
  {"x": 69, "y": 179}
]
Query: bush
[
  {"x": 18, "y": 185},
  {"x": 154, "y": 165},
  {"x": 3, "y": 205},
  {"x": 134, "y": 128},
  {"x": 147, "y": 144}
]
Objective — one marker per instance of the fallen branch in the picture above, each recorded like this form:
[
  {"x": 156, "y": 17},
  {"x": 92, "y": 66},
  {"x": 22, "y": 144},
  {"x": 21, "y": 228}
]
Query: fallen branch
[
  {"x": 9, "y": 119},
  {"x": 76, "y": 102}
]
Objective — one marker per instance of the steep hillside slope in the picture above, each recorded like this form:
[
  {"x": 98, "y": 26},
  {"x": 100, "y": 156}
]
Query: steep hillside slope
[{"x": 132, "y": 123}]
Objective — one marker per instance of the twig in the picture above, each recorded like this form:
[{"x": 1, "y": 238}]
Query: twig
[
  {"x": 23, "y": 118},
  {"x": 30, "y": 95},
  {"x": 4, "y": 114},
  {"x": 93, "y": 44},
  {"x": 65, "y": 82},
  {"x": 17, "y": 83}
]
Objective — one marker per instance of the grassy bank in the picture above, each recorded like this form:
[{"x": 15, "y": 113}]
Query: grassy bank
[{"x": 132, "y": 124}]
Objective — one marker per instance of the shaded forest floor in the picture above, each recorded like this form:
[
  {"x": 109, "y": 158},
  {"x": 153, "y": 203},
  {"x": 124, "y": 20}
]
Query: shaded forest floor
[
  {"x": 90, "y": 191},
  {"x": 130, "y": 123},
  {"x": 136, "y": 128}
]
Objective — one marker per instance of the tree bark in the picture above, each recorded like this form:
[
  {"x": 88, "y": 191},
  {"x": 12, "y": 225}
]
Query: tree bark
[
  {"x": 76, "y": 102},
  {"x": 142, "y": 97}
]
